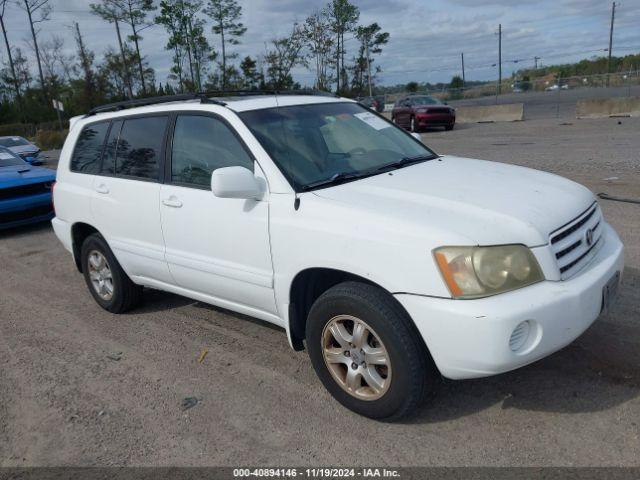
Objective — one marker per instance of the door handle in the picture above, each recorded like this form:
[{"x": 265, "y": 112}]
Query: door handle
[
  {"x": 172, "y": 201},
  {"x": 102, "y": 188}
]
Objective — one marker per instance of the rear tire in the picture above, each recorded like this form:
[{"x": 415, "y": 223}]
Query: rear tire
[
  {"x": 387, "y": 388},
  {"x": 108, "y": 283},
  {"x": 448, "y": 128}
]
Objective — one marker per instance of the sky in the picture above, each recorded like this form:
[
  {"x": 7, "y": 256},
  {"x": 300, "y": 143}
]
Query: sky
[{"x": 426, "y": 37}]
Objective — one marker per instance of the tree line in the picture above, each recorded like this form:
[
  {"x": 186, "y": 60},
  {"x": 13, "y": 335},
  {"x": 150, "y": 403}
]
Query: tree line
[{"x": 201, "y": 41}]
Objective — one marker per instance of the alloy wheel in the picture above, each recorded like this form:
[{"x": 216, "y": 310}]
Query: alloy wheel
[
  {"x": 356, "y": 357},
  {"x": 100, "y": 275}
]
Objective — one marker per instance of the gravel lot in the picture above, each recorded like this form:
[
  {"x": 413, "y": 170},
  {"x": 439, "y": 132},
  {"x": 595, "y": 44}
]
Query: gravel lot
[{"x": 64, "y": 401}]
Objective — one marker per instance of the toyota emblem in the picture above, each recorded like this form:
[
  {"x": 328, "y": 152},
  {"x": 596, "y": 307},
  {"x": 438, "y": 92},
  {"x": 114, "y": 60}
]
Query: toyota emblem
[{"x": 589, "y": 237}]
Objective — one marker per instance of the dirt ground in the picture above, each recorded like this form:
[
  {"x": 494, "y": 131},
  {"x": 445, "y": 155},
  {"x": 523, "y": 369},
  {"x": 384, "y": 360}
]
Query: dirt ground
[{"x": 79, "y": 386}]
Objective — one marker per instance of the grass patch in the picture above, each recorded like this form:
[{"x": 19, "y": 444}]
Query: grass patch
[{"x": 50, "y": 139}]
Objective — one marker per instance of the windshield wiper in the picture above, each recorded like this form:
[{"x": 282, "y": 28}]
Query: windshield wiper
[
  {"x": 404, "y": 161},
  {"x": 337, "y": 179}
]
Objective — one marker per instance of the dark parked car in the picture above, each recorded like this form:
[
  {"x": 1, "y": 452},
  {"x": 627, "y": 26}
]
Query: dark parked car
[
  {"x": 25, "y": 191},
  {"x": 416, "y": 112},
  {"x": 28, "y": 151},
  {"x": 374, "y": 103}
]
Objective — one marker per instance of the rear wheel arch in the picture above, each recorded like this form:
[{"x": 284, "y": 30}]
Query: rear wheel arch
[{"x": 79, "y": 233}]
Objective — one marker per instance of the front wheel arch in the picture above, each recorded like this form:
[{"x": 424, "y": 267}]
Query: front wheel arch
[{"x": 309, "y": 284}]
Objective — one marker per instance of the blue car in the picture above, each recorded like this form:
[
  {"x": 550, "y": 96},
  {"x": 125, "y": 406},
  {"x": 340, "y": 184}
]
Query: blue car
[{"x": 25, "y": 191}]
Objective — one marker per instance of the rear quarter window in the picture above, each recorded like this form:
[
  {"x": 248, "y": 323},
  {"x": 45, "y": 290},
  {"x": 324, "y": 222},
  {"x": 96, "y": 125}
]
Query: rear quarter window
[{"x": 87, "y": 153}]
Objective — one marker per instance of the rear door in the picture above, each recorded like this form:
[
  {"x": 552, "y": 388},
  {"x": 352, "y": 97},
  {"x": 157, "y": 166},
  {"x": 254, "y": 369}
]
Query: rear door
[
  {"x": 218, "y": 247},
  {"x": 126, "y": 195}
]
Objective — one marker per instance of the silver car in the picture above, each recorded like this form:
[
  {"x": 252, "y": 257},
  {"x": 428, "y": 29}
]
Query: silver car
[{"x": 23, "y": 147}]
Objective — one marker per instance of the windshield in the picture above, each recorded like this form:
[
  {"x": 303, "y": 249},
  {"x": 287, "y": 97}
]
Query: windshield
[
  {"x": 312, "y": 144},
  {"x": 416, "y": 101},
  {"x": 13, "y": 141},
  {"x": 8, "y": 159}
]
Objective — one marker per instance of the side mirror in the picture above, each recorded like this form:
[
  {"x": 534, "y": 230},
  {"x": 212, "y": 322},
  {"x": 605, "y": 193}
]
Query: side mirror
[
  {"x": 416, "y": 135},
  {"x": 235, "y": 182}
]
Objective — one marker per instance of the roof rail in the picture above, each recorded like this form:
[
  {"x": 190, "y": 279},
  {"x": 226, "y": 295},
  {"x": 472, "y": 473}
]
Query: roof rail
[
  {"x": 142, "y": 102},
  {"x": 241, "y": 93},
  {"x": 204, "y": 97}
]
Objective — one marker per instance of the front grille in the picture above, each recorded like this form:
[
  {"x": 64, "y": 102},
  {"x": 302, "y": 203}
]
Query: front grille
[
  {"x": 25, "y": 190},
  {"x": 575, "y": 243},
  {"x": 29, "y": 154},
  {"x": 16, "y": 216},
  {"x": 439, "y": 110}
]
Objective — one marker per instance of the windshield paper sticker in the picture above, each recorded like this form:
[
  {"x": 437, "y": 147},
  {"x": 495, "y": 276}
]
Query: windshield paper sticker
[{"x": 372, "y": 120}]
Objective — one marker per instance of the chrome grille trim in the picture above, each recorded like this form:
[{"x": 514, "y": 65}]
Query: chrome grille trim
[{"x": 570, "y": 244}]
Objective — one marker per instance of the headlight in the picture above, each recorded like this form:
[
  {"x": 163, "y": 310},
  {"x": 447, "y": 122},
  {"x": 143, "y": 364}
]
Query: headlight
[{"x": 473, "y": 272}]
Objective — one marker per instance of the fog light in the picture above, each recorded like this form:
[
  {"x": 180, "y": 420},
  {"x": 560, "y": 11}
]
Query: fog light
[{"x": 519, "y": 336}]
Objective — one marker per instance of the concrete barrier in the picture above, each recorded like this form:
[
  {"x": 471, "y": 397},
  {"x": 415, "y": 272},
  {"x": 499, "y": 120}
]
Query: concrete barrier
[
  {"x": 512, "y": 112},
  {"x": 607, "y": 107}
]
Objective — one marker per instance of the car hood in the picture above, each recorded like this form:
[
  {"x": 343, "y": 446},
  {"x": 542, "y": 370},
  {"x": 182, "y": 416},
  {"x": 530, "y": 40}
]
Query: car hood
[
  {"x": 470, "y": 201},
  {"x": 24, "y": 149},
  {"x": 12, "y": 176}
]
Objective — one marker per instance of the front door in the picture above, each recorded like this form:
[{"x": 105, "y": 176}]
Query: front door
[{"x": 218, "y": 247}]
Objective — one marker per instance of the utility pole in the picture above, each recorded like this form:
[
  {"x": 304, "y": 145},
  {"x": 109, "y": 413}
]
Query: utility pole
[
  {"x": 535, "y": 59},
  {"x": 463, "y": 79},
  {"x": 499, "y": 58},
  {"x": 613, "y": 16},
  {"x": 369, "y": 67}
]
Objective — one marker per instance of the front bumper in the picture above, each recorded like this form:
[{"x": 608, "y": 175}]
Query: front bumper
[
  {"x": 435, "y": 119},
  {"x": 471, "y": 338},
  {"x": 25, "y": 210}
]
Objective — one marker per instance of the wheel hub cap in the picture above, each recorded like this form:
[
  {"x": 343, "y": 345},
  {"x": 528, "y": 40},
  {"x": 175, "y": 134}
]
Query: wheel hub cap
[
  {"x": 356, "y": 357},
  {"x": 100, "y": 275}
]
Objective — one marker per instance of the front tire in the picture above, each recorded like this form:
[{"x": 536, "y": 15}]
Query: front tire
[
  {"x": 413, "y": 127},
  {"x": 108, "y": 283},
  {"x": 366, "y": 352}
]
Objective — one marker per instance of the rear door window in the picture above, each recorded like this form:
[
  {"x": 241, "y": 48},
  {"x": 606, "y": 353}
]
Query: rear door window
[
  {"x": 140, "y": 147},
  {"x": 88, "y": 150}
]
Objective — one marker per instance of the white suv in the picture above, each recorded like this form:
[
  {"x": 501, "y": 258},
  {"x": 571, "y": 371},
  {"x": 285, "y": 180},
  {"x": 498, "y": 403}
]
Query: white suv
[{"x": 392, "y": 264}]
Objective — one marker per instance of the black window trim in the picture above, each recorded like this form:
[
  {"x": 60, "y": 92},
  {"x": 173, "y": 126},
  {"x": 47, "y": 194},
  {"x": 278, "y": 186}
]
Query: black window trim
[
  {"x": 169, "y": 145},
  {"x": 75, "y": 145},
  {"x": 104, "y": 148}
]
